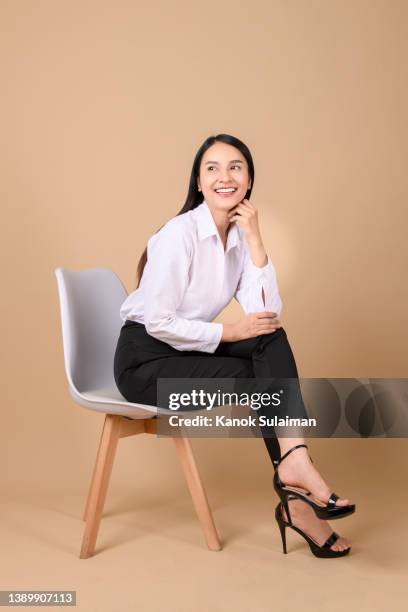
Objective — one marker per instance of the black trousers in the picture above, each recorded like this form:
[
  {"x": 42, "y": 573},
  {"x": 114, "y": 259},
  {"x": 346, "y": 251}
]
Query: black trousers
[{"x": 141, "y": 359}]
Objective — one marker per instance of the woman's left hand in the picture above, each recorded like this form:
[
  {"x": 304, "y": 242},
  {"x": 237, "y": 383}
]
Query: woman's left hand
[{"x": 246, "y": 215}]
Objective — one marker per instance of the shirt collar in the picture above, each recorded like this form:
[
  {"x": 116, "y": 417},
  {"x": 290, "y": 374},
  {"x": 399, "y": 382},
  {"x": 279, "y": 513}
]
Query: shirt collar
[{"x": 206, "y": 226}]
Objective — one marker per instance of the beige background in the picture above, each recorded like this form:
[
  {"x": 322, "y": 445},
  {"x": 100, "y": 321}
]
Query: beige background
[{"x": 104, "y": 105}]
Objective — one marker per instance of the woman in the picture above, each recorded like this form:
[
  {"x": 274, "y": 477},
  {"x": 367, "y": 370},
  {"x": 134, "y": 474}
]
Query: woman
[{"x": 211, "y": 251}]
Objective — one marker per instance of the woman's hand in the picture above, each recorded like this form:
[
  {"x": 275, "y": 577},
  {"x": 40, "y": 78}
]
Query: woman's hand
[
  {"x": 246, "y": 215},
  {"x": 250, "y": 326}
]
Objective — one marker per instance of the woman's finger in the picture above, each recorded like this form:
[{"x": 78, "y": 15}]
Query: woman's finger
[
  {"x": 265, "y": 313},
  {"x": 267, "y": 321},
  {"x": 267, "y": 328},
  {"x": 243, "y": 210}
]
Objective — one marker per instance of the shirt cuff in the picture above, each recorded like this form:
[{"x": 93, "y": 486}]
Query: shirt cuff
[
  {"x": 214, "y": 338},
  {"x": 257, "y": 272}
]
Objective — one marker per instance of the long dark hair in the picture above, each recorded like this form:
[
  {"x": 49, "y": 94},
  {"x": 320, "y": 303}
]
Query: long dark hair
[{"x": 195, "y": 197}]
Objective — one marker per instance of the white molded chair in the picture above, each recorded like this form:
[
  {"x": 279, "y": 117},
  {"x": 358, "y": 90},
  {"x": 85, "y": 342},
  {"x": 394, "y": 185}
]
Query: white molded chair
[{"x": 90, "y": 301}]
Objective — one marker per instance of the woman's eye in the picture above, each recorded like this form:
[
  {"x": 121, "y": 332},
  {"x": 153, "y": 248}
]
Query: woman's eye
[{"x": 236, "y": 166}]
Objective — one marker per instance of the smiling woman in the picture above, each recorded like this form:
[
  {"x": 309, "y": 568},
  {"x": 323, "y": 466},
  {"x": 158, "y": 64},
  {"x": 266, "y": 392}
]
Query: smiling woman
[
  {"x": 210, "y": 252},
  {"x": 234, "y": 158}
]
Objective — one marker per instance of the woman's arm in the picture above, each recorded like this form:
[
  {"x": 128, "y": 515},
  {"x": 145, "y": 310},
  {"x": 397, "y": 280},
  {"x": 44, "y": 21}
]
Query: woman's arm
[{"x": 257, "y": 289}]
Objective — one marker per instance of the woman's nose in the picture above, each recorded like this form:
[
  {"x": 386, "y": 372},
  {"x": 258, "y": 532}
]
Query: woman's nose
[{"x": 225, "y": 176}]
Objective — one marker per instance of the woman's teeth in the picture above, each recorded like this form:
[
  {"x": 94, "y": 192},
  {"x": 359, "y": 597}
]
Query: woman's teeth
[{"x": 226, "y": 193}]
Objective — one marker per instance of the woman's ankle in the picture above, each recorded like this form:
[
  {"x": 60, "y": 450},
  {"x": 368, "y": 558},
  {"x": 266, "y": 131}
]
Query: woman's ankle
[{"x": 287, "y": 444}]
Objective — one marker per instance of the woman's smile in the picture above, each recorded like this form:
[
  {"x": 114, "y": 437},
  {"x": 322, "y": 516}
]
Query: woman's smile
[{"x": 225, "y": 193}]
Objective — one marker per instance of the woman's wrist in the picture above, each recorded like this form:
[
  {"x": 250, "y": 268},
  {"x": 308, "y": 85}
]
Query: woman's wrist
[
  {"x": 229, "y": 332},
  {"x": 257, "y": 251}
]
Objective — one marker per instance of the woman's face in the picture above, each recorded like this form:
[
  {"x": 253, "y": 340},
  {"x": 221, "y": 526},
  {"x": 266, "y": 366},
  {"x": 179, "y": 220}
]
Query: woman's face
[{"x": 223, "y": 166}]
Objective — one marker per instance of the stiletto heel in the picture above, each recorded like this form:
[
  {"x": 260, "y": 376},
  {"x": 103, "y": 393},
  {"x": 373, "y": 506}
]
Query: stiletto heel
[
  {"x": 328, "y": 512},
  {"x": 325, "y": 551},
  {"x": 282, "y": 528}
]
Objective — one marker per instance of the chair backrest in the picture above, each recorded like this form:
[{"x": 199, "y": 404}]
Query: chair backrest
[{"x": 90, "y": 302}]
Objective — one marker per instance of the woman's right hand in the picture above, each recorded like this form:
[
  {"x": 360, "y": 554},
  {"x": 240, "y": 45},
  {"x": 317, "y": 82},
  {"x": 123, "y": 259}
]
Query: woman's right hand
[{"x": 250, "y": 326}]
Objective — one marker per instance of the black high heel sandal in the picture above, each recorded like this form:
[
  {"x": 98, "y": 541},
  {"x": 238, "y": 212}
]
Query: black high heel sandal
[
  {"x": 324, "y": 551},
  {"x": 329, "y": 512}
]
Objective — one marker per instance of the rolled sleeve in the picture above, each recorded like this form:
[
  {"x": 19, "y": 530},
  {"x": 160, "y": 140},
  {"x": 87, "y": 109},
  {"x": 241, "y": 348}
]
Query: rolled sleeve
[
  {"x": 253, "y": 279},
  {"x": 169, "y": 259}
]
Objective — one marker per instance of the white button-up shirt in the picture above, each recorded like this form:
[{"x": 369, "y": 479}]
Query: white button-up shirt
[{"x": 189, "y": 279}]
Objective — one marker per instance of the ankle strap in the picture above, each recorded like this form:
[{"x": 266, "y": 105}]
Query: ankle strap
[{"x": 278, "y": 461}]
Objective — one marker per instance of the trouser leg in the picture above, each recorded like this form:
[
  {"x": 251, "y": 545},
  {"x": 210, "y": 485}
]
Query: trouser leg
[{"x": 272, "y": 358}]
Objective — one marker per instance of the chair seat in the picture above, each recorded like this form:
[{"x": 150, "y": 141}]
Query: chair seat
[{"x": 110, "y": 400}]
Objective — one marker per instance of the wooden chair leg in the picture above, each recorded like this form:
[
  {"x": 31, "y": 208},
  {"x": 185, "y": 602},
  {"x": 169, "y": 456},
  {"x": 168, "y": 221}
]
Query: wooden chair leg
[
  {"x": 85, "y": 515},
  {"x": 128, "y": 427},
  {"x": 100, "y": 481},
  {"x": 186, "y": 457}
]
